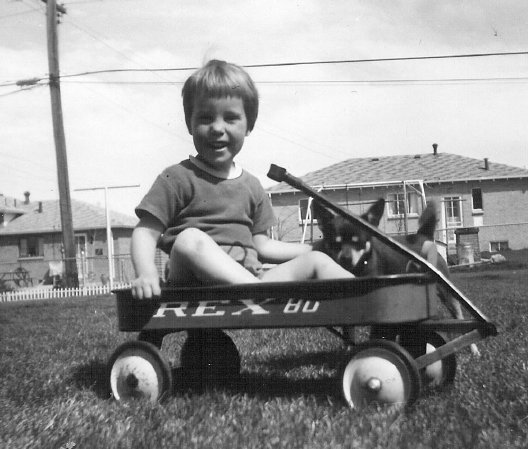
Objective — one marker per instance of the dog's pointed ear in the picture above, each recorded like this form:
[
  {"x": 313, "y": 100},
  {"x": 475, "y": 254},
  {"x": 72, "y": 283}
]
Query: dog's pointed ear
[
  {"x": 322, "y": 213},
  {"x": 427, "y": 221},
  {"x": 375, "y": 212}
]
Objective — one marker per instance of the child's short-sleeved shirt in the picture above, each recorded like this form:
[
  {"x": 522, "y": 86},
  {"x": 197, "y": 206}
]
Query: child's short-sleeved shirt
[{"x": 230, "y": 211}]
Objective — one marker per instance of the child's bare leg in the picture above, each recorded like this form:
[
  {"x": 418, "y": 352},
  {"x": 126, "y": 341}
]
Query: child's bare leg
[
  {"x": 312, "y": 265},
  {"x": 196, "y": 256}
]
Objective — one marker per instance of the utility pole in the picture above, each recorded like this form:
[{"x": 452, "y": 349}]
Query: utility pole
[
  {"x": 109, "y": 237},
  {"x": 68, "y": 238}
]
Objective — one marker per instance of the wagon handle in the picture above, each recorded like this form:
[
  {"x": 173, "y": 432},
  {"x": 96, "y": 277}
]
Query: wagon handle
[{"x": 280, "y": 174}]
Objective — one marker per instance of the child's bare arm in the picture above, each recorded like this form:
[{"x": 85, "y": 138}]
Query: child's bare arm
[
  {"x": 275, "y": 251},
  {"x": 143, "y": 249}
]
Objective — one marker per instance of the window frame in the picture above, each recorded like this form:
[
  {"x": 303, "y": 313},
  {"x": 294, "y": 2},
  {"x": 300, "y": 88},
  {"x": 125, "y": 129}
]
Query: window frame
[
  {"x": 498, "y": 244},
  {"x": 37, "y": 244},
  {"x": 473, "y": 208},
  {"x": 393, "y": 199}
]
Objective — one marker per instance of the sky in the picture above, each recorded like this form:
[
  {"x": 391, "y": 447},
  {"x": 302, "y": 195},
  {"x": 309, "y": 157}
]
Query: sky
[{"x": 123, "y": 128}]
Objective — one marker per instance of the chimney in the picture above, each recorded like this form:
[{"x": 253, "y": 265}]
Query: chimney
[
  {"x": 26, "y": 194},
  {"x": 435, "y": 149},
  {"x": 40, "y": 207},
  {"x": 486, "y": 164}
]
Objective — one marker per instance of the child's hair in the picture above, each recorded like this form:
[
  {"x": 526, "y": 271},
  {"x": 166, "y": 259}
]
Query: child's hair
[{"x": 221, "y": 79}]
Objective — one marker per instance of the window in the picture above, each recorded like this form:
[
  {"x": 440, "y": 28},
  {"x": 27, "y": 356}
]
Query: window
[
  {"x": 453, "y": 211},
  {"x": 453, "y": 216},
  {"x": 303, "y": 210},
  {"x": 499, "y": 246},
  {"x": 31, "y": 246},
  {"x": 476, "y": 199},
  {"x": 397, "y": 204}
]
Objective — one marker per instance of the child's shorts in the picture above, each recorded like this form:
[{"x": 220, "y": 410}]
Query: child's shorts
[{"x": 247, "y": 257}]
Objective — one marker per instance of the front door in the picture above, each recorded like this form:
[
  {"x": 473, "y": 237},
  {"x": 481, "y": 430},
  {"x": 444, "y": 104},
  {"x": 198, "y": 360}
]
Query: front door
[{"x": 80, "y": 254}]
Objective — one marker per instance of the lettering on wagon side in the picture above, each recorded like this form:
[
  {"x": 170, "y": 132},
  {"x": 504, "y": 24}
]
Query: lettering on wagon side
[
  {"x": 294, "y": 305},
  {"x": 204, "y": 309},
  {"x": 256, "y": 309},
  {"x": 183, "y": 309},
  {"x": 177, "y": 307}
]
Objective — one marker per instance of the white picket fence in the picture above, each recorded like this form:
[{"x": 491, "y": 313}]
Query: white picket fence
[{"x": 36, "y": 293}]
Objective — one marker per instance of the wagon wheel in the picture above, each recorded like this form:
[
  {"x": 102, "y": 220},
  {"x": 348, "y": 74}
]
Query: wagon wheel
[
  {"x": 211, "y": 355},
  {"x": 417, "y": 343},
  {"x": 136, "y": 370},
  {"x": 442, "y": 372},
  {"x": 380, "y": 371}
]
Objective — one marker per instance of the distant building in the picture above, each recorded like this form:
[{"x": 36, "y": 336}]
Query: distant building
[
  {"x": 476, "y": 197},
  {"x": 31, "y": 239}
]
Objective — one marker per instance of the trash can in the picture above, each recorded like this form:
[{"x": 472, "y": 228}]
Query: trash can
[
  {"x": 467, "y": 244},
  {"x": 465, "y": 254}
]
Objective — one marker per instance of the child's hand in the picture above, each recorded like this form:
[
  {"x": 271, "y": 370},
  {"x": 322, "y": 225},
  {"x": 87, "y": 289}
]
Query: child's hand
[{"x": 145, "y": 287}]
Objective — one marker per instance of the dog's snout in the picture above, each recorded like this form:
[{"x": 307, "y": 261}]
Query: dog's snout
[
  {"x": 349, "y": 257},
  {"x": 357, "y": 256}
]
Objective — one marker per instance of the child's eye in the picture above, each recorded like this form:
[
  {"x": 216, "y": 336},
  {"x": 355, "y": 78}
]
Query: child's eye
[
  {"x": 204, "y": 118},
  {"x": 230, "y": 118}
]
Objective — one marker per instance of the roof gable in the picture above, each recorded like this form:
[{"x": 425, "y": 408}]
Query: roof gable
[
  {"x": 84, "y": 215},
  {"x": 442, "y": 167}
]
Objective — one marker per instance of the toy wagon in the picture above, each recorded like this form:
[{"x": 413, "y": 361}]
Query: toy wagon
[{"x": 379, "y": 370}]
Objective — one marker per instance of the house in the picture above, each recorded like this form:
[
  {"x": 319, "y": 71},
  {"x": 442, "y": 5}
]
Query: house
[
  {"x": 480, "y": 202},
  {"x": 31, "y": 240}
]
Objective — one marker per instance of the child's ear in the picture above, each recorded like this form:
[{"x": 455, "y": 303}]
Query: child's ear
[
  {"x": 248, "y": 132},
  {"x": 188, "y": 124}
]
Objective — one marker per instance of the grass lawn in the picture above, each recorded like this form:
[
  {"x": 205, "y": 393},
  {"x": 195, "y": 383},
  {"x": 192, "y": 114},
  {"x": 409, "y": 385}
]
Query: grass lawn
[{"x": 52, "y": 395}]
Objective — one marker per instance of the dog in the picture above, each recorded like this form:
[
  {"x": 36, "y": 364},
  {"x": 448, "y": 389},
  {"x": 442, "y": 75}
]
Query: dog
[{"x": 363, "y": 254}]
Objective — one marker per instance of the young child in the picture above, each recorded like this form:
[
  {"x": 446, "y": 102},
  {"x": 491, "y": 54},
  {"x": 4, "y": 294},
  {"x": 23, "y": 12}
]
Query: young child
[{"x": 207, "y": 213}]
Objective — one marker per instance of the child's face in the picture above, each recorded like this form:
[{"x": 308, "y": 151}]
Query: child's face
[{"x": 218, "y": 127}]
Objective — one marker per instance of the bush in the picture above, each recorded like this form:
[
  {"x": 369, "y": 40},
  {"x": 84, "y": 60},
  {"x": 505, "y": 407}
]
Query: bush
[{"x": 5, "y": 286}]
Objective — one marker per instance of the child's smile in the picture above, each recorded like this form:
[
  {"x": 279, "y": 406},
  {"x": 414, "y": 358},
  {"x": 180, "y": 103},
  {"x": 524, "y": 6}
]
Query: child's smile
[{"x": 219, "y": 127}]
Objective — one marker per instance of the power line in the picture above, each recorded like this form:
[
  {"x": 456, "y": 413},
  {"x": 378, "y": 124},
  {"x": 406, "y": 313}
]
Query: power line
[
  {"x": 301, "y": 63},
  {"x": 326, "y": 82},
  {"x": 102, "y": 39},
  {"x": 19, "y": 13},
  {"x": 94, "y": 36},
  {"x": 349, "y": 61},
  {"x": 41, "y": 9},
  {"x": 396, "y": 81},
  {"x": 134, "y": 112},
  {"x": 20, "y": 90}
]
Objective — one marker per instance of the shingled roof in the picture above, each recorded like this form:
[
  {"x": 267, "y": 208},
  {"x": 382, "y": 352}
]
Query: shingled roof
[
  {"x": 44, "y": 216},
  {"x": 9, "y": 205},
  {"x": 430, "y": 168}
]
